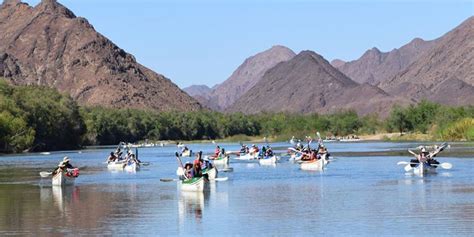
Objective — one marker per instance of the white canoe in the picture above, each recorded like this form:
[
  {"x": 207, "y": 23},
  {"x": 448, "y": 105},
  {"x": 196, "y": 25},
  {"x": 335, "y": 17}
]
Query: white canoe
[
  {"x": 132, "y": 167},
  {"x": 194, "y": 185},
  {"x": 221, "y": 161},
  {"x": 247, "y": 157},
  {"x": 187, "y": 153},
  {"x": 211, "y": 173},
  {"x": 424, "y": 168},
  {"x": 268, "y": 161},
  {"x": 295, "y": 157},
  {"x": 315, "y": 165},
  {"x": 61, "y": 179},
  {"x": 116, "y": 165}
]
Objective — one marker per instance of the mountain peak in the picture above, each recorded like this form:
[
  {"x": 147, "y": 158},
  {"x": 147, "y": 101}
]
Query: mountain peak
[
  {"x": 248, "y": 74},
  {"x": 375, "y": 49},
  {"x": 47, "y": 45},
  {"x": 279, "y": 47},
  {"x": 337, "y": 63},
  {"x": 52, "y": 6}
]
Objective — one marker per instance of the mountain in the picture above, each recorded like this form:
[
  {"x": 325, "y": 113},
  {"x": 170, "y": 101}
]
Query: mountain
[
  {"x": 48, "y": 45},
  {"x": 308, "y": 83},
  {"x": 247, "y": 75},
  {"x": 375, "y": 66},
  {"x": 202, "y": 94},
  {"x": 443, "y": 74},
  {"x": 337, "y": 63},
  {"x": 201, "y": 90}
]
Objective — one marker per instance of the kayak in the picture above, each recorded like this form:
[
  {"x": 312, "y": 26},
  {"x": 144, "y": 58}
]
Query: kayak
[
  {"x": 211, "y": 173},
  {"x": 268, "y": 161},
  {"x": 221, "y": 161},
  {"x": 63, "y": 179},
  {"x": 315, "y": 165},
  {"x": 194, "y": 184}
]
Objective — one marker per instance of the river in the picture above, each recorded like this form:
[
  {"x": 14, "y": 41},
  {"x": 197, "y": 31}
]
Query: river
[{"x": 359, "y": 194}]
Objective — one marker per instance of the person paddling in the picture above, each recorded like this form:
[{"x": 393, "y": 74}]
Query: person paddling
[
  {"x": 111, "y": 157},
  {"x": 197, "y": 165},
  {"x": 66, "y": 166}
]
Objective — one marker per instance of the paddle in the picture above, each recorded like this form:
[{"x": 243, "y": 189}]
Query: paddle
[
  {"x": 403, "y": 163},
  {"x": 180, "y": 163},
  {"x": 227, "y": 170},
  {"x": 45, "y": 174},
  {"x": 444, "y": 165},
  {"x": 176, "y": 180},
  {"x": 408, "y": 168},
  {"x": 168, "y": 180}
]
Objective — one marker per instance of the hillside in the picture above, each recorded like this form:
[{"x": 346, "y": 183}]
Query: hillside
[
  {"x": 247, "y": 75},
  {"x": 48, "y": 45},
  {"x": 308, "y": 83},
  {"x": 375, "y": 66},
  {"x": 443, "y": 74}
]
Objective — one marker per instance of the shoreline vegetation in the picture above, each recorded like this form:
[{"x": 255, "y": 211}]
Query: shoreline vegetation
[{"x": 36, "y": 118}]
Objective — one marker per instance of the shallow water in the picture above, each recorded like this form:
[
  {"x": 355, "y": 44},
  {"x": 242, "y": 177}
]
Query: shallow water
[{"x": 356, "y": 195}]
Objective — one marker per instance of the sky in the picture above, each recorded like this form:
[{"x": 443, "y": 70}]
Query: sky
[{"x": 204, "y": 41}]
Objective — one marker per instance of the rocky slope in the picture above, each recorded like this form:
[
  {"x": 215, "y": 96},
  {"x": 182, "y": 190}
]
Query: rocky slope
[
  {"x": 247, "y": 75},
  {"x": 443, "y": 74},
  {"x": 375, "y": 66},
  {"x": 308, "y": 83},
  {"x": 48, "y": 45},
  {"x": 202, "y": 94}
]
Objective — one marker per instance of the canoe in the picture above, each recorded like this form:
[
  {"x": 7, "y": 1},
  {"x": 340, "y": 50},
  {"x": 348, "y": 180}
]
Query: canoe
[
  {"x": 61, "y": 179},
  {"x": 295, "y": 157},
  {"x": 268, "y": 161},
  {"x": 194, "y": 185},
  {"x": 221, "y": 161},
  {"x": 116, "y": 165},
  {"x": 211, "y": 173},
  {"x": 315, "y": 165},
  {"x": 247, "y": 157},
  {"x": 187, "y": 153},
  {"x": 132, "y": 167},
  {"x": 424, "y": 168}
]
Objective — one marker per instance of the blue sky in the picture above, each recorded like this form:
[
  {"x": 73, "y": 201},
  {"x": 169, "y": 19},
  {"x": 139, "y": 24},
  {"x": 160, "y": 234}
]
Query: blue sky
[{"x": 203, "y": 42}]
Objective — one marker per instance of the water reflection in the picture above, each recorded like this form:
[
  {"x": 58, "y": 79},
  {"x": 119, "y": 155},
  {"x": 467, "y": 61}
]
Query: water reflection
[
  {"x": 191, "y": 206},
  {"x": 63, "y": 197}
]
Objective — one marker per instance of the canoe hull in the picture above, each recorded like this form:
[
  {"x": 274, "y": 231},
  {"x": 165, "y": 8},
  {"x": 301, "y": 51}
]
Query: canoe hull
[
  {"x": 133, "y": 167},
  {"x": 116, "y": 165},
  {"x": 247, "y": 157},
  {"x": 316, "y": 165},
  {"x": 187, "y": 153},
  {"x": 211, "y": 173},
  {"x": 268, "y": 161},
  {"x": 424, "y": 168},
  {"x": 223, "y": 161},
  {"x": 194, "y": 185},
  {"x": 61, "y": 179}
]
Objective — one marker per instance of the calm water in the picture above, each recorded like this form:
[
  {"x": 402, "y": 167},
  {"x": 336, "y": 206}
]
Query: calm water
[{"x": 357, "y": 195}]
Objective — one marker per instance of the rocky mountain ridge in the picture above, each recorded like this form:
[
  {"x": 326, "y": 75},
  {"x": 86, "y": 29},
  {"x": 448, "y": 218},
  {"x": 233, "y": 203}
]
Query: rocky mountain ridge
[{"x": 48, "y": 45}]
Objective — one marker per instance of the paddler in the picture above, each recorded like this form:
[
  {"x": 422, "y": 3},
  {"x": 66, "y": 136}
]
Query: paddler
[{"x": 198, "y": 164}]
